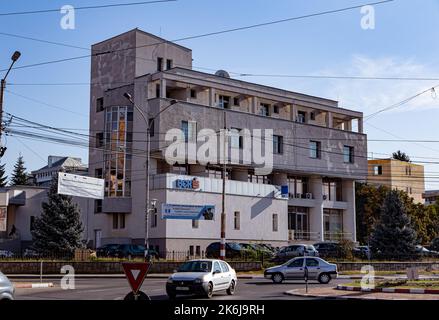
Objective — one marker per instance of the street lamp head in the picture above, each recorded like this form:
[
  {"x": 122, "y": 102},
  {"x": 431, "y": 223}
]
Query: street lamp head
[
  {"x": 15, "y": 56},
  {"x": 128, "y": 97}
]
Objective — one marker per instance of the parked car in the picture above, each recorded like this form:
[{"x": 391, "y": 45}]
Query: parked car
[
  {"x": 434, "y": 244},
  {"x": 6, "y": 254},
  {"x": 328, "y": 249},
  {"x": 204, "y": 276},
  {"x": 233, "y": 250},
  {"x": 29, "y": 253},
  {"x": 294, "y": 269},
  {"x": 106, "y": 249},
  {"x": 362, "y": 252},
  {"x": 296, "y": 250},
  {"x": 6, "y": 288},
  {"x": 424, "y": 252},
  {"x": 131, "y": 251}
]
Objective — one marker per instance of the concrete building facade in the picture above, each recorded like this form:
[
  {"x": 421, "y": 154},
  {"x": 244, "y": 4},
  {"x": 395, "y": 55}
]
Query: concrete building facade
[
  {"x": 400, "y": 175},
  {"x": 317, "y": 152}
]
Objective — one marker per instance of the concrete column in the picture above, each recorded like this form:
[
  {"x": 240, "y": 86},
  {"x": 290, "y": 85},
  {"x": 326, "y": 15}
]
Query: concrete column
[
  {"x": 163, "y": 88},
  {"x": 254, "y": 105},
  {"x": 348, "y": 125},
  {"x": 360, "y": 125},
  {"x": 212, "y": 97},
  {"x": 329, "y": 120},
  {"x": 316, "y": 212},
  {"x": 293, "y": 109},
  {"x": 188, "y": 94},
  {"x": 349, "y": 223}
]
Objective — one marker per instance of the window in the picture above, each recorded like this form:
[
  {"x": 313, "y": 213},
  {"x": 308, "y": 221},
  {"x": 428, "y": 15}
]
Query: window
[
  {"x": 314, "y": 149},
  {"x": 264, "y": 109},
  {"x": 98, "y": 206},
  {"x": 193, "y": 93},
  {"x": 99, "y": 139},
  {"x": 224, "y": 266},
  {"x": 195, "y": 223},
  {"x": 276, "y": 109},
  {"x": 237, "y": 140},
  {"x": 99, "y": 104},
  {"x": 332, "y": 189},
  {"x": 296, "y": 263},
  {"x": 189, "y": 129},
  {"x": 159, "y": 64},
  {"x": 217, "y": 267},
  {"x": 98, "y": 173},
  {"x": 301, "y": 116},
  {"x": 275, "y": 222},
  {"x": 191, "y": 250},
  {"x": 224, "y": 102},
  {"x": 168, "y": 64},
  {"x": 312, "y": 116},
  {"x": 236, "y": 101},
  {"x": 198, "y": 250},
  {"x": 312, "y": 262},
  {"x": 377, "y": 170},
  {"x": 258, "y": 179},
  {"x": 185, "y": 129},
  {"x": 118, "y": 221},
  {"x": 297, "y": 186},
  {"x": 157, "y": 90},
  {"x": 277, "y": 144},
  {"x": 154, "y": 221},
  {"x": 236, "y": 220},
  {"x": 348, "y": 154}
]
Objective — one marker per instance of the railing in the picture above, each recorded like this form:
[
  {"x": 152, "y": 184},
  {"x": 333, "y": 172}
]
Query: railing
[{"x": 337, "y": 236}]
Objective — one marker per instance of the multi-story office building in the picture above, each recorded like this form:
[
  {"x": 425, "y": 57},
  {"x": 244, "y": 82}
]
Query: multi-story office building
[
  {"x": 396, "y": 174},
  {"x": 43, "y": 177},
  {"x": 316, "y": 152}
]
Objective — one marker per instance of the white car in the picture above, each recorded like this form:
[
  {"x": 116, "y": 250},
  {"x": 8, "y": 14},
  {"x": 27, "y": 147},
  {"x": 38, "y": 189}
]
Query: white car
[
  {"x": 6, "y": 288},
  {"x": 204, "y": 276}
]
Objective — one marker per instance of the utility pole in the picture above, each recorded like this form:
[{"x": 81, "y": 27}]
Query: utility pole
[
  {"x": 14, "y": 58},
  {"x": 223, "y": 200},
  {"x": 148, "y": 124}
]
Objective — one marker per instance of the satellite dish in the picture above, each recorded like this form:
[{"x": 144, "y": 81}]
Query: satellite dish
[{"x": 222, "y": 73}]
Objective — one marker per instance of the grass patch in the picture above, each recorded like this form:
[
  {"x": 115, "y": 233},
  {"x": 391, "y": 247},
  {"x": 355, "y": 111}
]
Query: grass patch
[{"x": 401, "y": 284}]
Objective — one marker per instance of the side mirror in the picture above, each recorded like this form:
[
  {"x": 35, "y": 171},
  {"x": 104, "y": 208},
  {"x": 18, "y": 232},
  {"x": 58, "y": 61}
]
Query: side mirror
[{"x": 216, "y": 271}]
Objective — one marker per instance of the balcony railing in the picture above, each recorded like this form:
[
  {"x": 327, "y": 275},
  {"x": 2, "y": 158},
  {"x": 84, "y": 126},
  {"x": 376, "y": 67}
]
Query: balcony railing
[{"x": 294, "y": 235}]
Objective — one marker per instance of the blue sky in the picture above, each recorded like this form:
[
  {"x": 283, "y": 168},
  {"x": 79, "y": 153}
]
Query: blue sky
[{"x": 403, "y": 43}]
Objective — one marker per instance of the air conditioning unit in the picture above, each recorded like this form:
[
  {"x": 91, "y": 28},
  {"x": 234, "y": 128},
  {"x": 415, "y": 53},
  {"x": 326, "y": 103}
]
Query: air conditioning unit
[
  {"x": 309, "y": 195},
  {"x": 325, "y": 197}
]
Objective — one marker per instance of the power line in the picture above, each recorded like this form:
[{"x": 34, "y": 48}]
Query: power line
[{"x": 85, "y": 7}]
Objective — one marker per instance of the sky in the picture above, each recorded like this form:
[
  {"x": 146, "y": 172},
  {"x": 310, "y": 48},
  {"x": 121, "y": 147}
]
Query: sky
[{"x": 402, "y": 44}]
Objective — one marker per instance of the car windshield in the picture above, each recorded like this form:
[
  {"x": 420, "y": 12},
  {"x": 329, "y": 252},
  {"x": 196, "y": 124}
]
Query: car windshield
[
  {"x": 310, "y": 247},
  {"x": 196, "y": 266}
]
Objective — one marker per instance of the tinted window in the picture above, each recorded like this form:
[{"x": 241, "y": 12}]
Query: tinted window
[
  {"x": 312, "y": 263},
  {"x": 216, "y": 267},
  {"x": 234, "y": 246},
  {"x": 196, "y": 266},
  {"x": 214, "y": 246},
  {"x": 296, "y": 263},
  {"x": 224, "y": 267}
]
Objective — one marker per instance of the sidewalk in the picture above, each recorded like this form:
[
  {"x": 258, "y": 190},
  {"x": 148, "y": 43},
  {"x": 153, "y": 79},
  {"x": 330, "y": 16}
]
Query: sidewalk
[{"x": 332, "y": 293}]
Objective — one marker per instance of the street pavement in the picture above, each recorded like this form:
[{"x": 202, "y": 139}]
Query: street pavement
[{"x": 117, "y": 288}]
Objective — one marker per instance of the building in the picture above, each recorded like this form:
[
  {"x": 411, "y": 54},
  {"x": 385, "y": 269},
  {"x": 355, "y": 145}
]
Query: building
[
  {"x": 430, "y": 196},
  {"x": 19, "y": 206},
  {"x": 317, "y": 153},
  {"x": 398, "y": 175},
  {"x": 43, "y": 177}
]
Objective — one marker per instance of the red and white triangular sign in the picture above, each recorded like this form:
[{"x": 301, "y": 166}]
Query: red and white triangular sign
[{"x": 135, "y": 273}]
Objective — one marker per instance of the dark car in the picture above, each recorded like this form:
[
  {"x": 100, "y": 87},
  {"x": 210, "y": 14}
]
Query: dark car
[
  {"x": 295, "y": 250},
  {"x": 105, "y": 250},
  {"x": 362, "y": 252},
  {"x": 131, "y": 251},
  {"x": 329, "y": 249},
  {"x": 434, "y": 245},
  {"x": 233, "y": 250}
]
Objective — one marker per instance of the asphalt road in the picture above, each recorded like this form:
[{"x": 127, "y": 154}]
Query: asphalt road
[{"x": 117, "y": 288}]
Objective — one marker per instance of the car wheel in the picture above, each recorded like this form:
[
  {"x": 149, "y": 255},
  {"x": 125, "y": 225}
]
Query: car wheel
[
  {"x": 209, "y": 292},
  {"x": 324, "y": 278},
  {"x": 231, "y": 289},
  {"x": 277, "y": 278}
]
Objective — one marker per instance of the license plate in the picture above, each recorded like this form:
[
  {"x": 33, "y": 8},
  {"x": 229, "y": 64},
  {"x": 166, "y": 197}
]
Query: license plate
[{"x": 182, "y": 288}]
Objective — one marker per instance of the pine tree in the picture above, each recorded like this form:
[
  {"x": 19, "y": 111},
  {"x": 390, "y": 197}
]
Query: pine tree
[
  {"x": 19, "y": 175},
  {"x": 393, "y": 235},
  {"x": 401, "y": 156},
  {"x": 3, "y": 177},
  {"x": 58, "y": 231}
]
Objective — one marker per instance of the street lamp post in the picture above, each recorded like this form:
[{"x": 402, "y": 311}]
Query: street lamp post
[
  {"x": 14, "y": 59},
  {"x": 148, "y": 124}
]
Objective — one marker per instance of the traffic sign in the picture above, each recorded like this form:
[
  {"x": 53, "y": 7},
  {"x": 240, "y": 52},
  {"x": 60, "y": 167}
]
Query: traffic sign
[{"x": 135, "y": 273}]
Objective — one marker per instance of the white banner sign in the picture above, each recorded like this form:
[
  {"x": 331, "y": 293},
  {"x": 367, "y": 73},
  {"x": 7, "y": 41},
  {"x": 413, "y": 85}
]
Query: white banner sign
[
  {"x": 80, "y": 186},
  {"x": 182, "y": 211},
  {"x": 3, "y": 219}
]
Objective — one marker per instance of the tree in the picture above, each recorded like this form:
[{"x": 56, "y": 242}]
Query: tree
[
  {"x": 58, "y": 231},
  {"x": 19, "y": 175},
  {"x": 393, "y": 235},
  {"x": 3, "y": 177},
  {"x": 402, "y": 156}
]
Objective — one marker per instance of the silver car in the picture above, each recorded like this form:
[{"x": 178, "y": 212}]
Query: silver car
[
  {"x": 6, "y": 288},
  {"x": 204, "y": 276},
  {"x": 295, "y": 269}
]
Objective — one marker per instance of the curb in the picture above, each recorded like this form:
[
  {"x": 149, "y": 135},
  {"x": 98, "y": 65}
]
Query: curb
[
  {"x": 33, "y": 285},
  {"x": 104, "y": 276},
  {"x": 306, "y": 295},
  {"x": 388, "y": 290}
]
